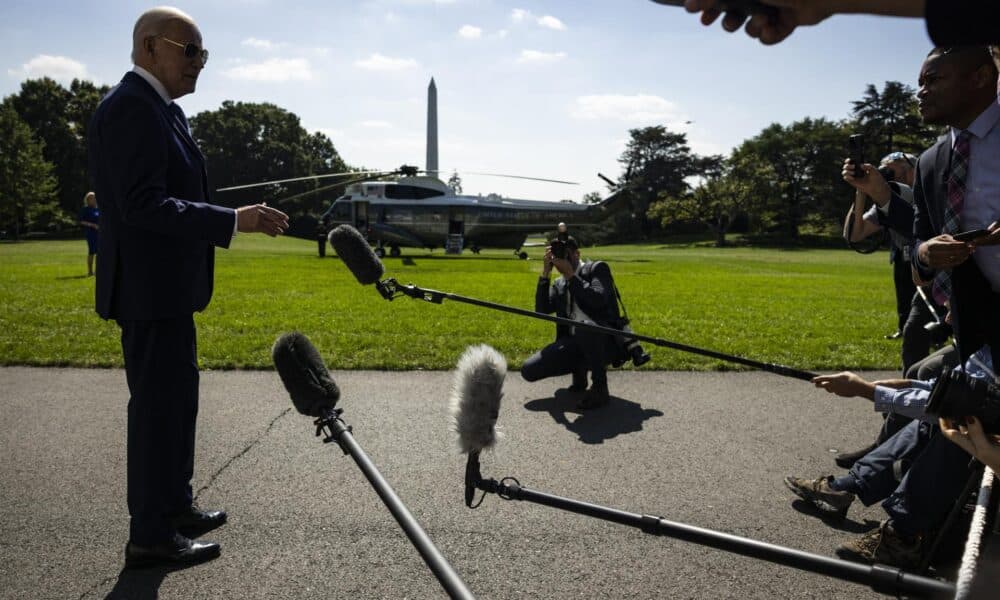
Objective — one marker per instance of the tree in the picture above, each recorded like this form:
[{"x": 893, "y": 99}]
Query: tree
[
  {"x": 803, "y": 162},
  {"x": 656, "y": 162},
  {"x": 890, "y": 121},
  {"x": 27, "y": 186},
  {"x": 253, "y": 142},
  {"x": 455, "y": 183},
  {"x": 725, "y": 194},
  {"x": 59, "y": 118}
]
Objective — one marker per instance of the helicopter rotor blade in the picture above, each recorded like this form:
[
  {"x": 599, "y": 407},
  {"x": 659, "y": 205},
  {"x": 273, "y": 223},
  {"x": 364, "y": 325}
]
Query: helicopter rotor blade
[
  {"x": 276, "y": 181},
  {"x": 322, "y": 189},
  {"x": 523, "y": 177}
]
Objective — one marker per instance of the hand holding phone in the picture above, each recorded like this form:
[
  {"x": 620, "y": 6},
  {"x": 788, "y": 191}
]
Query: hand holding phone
[{"x": 968, "y": 236}]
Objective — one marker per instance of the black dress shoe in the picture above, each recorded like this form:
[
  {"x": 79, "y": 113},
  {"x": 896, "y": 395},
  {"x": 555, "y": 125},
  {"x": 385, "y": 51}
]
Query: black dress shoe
[
  {"x": 178, "y": 552},
  {"x": 195, "y": 521}
]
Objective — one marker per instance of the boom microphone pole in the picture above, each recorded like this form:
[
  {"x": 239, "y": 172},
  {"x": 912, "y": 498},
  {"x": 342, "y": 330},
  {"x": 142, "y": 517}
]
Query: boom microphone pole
[
  {"x": 315, "y": 394},
  {"x": 475, "y": 404},
  {"x": 352, "y": 248}
]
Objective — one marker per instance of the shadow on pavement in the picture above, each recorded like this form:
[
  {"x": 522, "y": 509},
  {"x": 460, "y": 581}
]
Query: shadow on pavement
[
  {"x": 834, "y": 521},
  {"x": 141, "y": 584},
  {"x": 617, "y": 417}
]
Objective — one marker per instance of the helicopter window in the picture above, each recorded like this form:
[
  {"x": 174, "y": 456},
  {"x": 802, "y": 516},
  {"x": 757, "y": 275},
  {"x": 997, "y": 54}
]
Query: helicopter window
[{"x": 410, "y": 192}]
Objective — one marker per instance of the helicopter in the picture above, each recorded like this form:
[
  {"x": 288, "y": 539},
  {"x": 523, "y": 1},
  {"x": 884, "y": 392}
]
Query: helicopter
[{"x": 410, "y": 207}]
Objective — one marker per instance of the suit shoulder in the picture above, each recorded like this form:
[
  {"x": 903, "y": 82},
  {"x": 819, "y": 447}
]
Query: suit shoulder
[{"x": 125, "y": 100}]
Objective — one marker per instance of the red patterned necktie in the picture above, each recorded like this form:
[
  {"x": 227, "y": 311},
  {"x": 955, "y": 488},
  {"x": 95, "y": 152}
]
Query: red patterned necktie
[{"x": 953, "y": 209}]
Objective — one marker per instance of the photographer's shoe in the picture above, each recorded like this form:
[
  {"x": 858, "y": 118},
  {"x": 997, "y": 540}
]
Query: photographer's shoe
[
  {"x": 594, "y": 397},
  {"x": 884, "y": 546},
  {"x": 818, "y": 493},
  {"x": 894, "y": 336}
]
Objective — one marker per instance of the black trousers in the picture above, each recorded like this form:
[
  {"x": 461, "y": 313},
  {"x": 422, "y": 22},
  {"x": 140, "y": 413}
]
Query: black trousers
[
  {"x": 161, "y": 366},
  {"x": 905, "y": 289},
  {"x": 584, "y": 351},
  {"x": 917, "y": 340}
]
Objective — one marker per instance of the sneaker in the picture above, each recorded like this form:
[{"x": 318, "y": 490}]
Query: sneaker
[
  {"x": 894, "y": 336},
  {"x": 884, "y": 546},
  {"x": 594, "y": 397},
  {"x": 818, "y": 493},
  {"x": 846, "y": 460}
]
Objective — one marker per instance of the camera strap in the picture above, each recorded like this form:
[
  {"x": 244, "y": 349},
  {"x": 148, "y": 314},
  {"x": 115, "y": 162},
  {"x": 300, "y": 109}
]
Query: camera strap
[{"x": 618, "y": 296}]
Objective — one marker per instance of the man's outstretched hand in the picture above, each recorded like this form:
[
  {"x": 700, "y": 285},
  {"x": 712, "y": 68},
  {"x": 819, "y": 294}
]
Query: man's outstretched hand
[{"x": 261, "y": 218}]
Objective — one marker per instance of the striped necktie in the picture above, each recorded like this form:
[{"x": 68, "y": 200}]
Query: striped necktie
[{"x": 953, "y": 209}]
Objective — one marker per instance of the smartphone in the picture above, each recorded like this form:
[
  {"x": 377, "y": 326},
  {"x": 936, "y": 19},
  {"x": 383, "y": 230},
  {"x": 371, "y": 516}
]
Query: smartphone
[
  {"x": 968, "y": 236},
  {"x": 856, "y": 146}
]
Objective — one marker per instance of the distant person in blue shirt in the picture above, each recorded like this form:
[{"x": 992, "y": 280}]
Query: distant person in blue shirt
[{"x": 88, "y": 220}]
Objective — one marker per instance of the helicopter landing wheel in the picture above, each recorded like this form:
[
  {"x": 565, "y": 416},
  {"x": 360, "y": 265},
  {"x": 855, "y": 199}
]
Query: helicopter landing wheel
[
  {"x": 380, "y": 252},
  {"x": 394, "y": 251},
  {"x": 522, "y": 255}
]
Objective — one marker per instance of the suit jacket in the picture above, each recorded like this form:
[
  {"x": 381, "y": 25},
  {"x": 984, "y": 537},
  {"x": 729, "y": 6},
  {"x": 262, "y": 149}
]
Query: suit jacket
[
  {"x": 158, "y": 231},
  {"x": 593, "y": 289},
  {"x": 972, "y": 295}
]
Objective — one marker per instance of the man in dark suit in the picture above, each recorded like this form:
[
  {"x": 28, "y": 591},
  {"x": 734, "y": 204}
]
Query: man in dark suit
[
  {"x": 585, "y": 292},
  {"x": 158, "y": 234},
  {"x": 957, "y": 189}
]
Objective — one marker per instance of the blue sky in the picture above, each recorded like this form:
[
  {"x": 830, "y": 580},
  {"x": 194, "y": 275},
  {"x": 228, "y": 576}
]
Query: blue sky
[{"x": 547, "y": 89}]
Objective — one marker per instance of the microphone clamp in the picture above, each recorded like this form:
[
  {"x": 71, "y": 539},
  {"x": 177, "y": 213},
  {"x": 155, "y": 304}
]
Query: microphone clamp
[
  {"x": 337, "y": 428},
  {"x": 391, "y": 289}
]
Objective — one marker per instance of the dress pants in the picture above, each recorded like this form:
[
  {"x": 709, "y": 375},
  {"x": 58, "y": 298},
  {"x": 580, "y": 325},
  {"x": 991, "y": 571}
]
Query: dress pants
[
  {"x": 902, "y": 279},
  {"x": 161, "y": 366},
  {"x": 580, "y": 352}
]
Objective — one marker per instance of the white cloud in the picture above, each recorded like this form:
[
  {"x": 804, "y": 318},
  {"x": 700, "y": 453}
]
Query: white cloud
[
  {"x": 261, "y": 44},
  {"x": 60, "y": 68},
  {"x": 520, "y": 15},
  {"x": 536, "y": 57},
  {"x": 639, "y": 107},
  {"x": 551, "y": 22},
  {"x": 501, "y": 34},
  {"x": 470, "y": 32},
  {"x": 273, "y": 70},
  {"x": 378, "y": 62},
  {"x": 376, "y": 124}
]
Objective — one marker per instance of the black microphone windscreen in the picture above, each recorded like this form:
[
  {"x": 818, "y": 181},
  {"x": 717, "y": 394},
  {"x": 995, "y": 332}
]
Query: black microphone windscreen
[
  {"x": 353, "y": 249},
  {"x": 304, "y": 374},
  {"x": 475, "y": 397}
]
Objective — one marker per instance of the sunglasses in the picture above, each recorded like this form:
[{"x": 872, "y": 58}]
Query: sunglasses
[{"x": 190, "y": 50}]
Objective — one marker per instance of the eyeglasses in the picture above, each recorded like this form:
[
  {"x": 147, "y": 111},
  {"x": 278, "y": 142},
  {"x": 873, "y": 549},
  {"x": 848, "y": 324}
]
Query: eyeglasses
[
  {"x": 894, "y": 156},
  {"x": 190, "y": 50}
]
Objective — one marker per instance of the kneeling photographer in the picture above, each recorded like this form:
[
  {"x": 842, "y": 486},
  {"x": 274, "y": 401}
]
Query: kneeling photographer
[{"x": 584, "y": 292}]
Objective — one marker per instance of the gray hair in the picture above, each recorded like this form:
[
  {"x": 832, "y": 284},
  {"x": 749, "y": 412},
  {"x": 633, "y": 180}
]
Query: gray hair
[{"x": 152, "y": 23}]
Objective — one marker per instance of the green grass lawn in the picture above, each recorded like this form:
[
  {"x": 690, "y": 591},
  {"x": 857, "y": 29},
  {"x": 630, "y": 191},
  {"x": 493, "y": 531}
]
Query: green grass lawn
[{"x": 810, "y": 309}]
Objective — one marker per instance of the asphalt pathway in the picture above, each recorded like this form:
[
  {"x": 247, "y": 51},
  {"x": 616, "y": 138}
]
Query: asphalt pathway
[{"x": 706, "y": 449}]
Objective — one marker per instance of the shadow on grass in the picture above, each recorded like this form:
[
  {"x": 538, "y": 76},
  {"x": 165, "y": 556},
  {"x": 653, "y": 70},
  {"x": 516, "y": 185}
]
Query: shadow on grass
[
  {"x": 617, "y": 417},
  {"x": 65, "y": 277}
]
